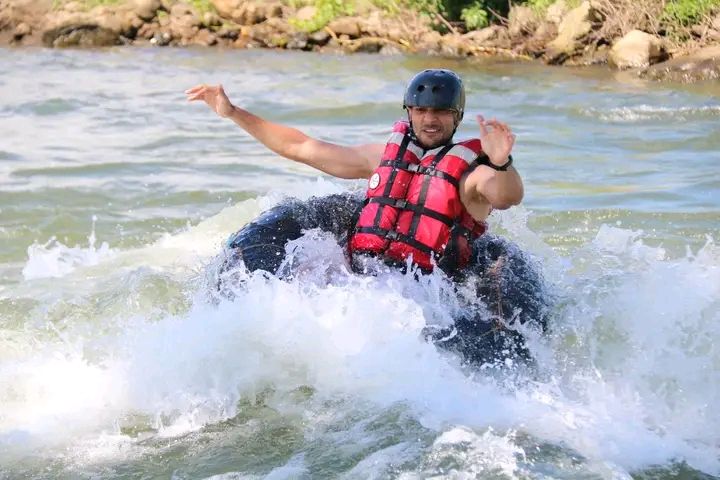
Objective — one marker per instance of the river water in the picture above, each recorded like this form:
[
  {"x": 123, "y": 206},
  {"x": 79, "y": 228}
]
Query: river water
[{"x": 117, "y": 362}]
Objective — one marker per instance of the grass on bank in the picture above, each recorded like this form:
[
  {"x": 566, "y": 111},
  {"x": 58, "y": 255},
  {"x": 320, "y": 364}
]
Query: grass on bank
[{"x": 689, "y": 12}]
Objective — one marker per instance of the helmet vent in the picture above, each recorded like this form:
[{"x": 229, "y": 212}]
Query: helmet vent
[
  {"x": 420, "y": 88},
  {"x": 435, "y": 89}
]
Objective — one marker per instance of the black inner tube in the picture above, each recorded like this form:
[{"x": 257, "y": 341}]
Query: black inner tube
[{"x": 507, "y": 281}]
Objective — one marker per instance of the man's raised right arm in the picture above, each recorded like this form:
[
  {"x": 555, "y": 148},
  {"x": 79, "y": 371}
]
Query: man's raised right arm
[{"x": 336, "y": 160}]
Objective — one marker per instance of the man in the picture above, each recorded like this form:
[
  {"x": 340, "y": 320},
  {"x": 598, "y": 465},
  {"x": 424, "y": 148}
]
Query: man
[{"x": 427, "y": 197}]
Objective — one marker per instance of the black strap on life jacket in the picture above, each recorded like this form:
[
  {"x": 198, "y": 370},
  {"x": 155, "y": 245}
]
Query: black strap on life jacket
[
  {"x": 417, "y": 168},
  {"x": 394, "y": 235},
  {"x": 403, "y": 204}
]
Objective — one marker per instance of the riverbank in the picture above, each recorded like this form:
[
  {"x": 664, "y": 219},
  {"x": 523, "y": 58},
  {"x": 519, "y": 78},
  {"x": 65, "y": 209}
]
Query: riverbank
[{"x": 622, "y": 34}]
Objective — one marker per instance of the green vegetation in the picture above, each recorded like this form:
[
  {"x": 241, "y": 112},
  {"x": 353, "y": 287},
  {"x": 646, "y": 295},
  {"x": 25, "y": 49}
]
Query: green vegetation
[
  {"x": 540, "y": 5},
  {"x": 688, "y": 12},
  {"x": 475, "y": 16},
  {"x": 201, "y": 6},
  {"x": 326, "y": 11}
]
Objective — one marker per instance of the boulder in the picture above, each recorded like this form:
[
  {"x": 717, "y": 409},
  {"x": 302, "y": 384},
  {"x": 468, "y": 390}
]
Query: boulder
[
  {"x": 148, "y": 30},
  {"x": 345, "y": 26},
  {"x": 372, "y": 25},
  {"x": 494, "y": 36},
  {"x": 161, "y": 39},
  {"x": 73, "y": 7},
  {"x": 591, "y": 55},
  {"x": 88, "y": 35},
  {"x": 146, "y": 9},
  {"x": 211, "y": 19},
  {"x": 184, "y": 23},
  {"x": 168, "y": 4},
  {"x": 31, "y": 13},
  {"x": 205, "y": 38},
  {"x": 21, "y": 30},
  {"x": 573, "y": 29},
  {"x": 305, "y": 14},
  {"x": 366, "y": 45},
  {"x": 299, "y": 41},
  {"x": 703, "y": 64},
  {"x": 246, "y": 12},
  {"x": 637, "y": 49},
  {"x": 226, "y": 8},
  {"x": 273, "y": 33},
  {"x": 122, "y": 19},
  {"x": 228, "y": 32},
  {"x": 321, "y": 37}
]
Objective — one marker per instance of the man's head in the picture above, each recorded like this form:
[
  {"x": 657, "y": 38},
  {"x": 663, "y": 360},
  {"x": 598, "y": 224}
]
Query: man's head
[{"x": 435, "y": 101}]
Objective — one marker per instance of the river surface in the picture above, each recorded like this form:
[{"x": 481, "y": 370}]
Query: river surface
[{"x": 116, "y": 361}]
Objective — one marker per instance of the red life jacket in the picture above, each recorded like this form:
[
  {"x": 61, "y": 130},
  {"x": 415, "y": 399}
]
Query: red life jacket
[{"x": 413, "y": 204}]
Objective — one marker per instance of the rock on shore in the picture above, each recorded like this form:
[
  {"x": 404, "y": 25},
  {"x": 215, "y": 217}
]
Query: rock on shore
[{"x": 561, "y": 35}]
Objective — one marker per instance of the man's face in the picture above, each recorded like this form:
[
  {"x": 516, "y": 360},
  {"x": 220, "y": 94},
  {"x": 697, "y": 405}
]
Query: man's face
[{"x": 432, "y": 127}]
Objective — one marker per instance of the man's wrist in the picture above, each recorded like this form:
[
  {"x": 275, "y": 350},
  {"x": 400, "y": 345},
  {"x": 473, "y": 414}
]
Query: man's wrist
[
  {"x": 502, "y": 167},
  {"x": 234, "y": 111}
]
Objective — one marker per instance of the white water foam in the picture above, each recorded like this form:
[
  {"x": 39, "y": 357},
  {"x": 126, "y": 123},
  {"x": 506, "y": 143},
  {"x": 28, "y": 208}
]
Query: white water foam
[
  {"x": 631, "y": 380},
  {"x": 54, "y": 260},
  {"x": 641, "y": 113}
]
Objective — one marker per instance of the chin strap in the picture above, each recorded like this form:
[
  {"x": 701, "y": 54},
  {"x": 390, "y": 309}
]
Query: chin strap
[{"x": 413, "y": 137}]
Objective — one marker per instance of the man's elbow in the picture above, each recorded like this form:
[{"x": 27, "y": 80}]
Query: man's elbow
[{"x": 505, "y": 201}]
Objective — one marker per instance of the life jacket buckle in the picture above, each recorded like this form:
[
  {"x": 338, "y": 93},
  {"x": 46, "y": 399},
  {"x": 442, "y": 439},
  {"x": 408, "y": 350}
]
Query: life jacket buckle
[
  {"x": 401, "y": 203},
  {"x": 414, "y": 167},
  {"x": 392, "y": 235}
]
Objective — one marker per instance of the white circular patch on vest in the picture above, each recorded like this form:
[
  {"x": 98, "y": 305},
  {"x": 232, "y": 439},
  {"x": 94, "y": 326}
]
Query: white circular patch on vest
[{"x": 374, "y": 181}]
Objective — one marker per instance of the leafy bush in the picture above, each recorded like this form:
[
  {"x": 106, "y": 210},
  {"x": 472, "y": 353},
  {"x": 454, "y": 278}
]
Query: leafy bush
[{"x": 474, "y": 16}]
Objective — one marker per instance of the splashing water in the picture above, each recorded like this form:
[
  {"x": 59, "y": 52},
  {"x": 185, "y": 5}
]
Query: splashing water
[
  {"x": 626, "y": 379},
  {"x": 55, "y": 260}
]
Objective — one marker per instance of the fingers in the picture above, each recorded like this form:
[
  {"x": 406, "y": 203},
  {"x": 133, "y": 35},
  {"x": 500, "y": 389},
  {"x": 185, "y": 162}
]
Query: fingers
[
  {"x": 503, "y": 128},
  {"x": 494, "y": 124},
  {"x": 481, "y": 123},
  {"x": 195, "y": 88},
  {"x": 198, "y": 92}
]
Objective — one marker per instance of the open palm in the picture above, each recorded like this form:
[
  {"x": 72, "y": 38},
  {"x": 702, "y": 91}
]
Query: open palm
[{"x": 497, "y": 140}]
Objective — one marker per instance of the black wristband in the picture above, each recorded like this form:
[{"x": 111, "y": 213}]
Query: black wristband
[{"x": 485, "y": 160}]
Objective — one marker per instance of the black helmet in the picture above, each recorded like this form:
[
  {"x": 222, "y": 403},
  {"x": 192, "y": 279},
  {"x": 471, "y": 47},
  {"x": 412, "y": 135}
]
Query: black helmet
[{"x": 441, "y": 89}]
